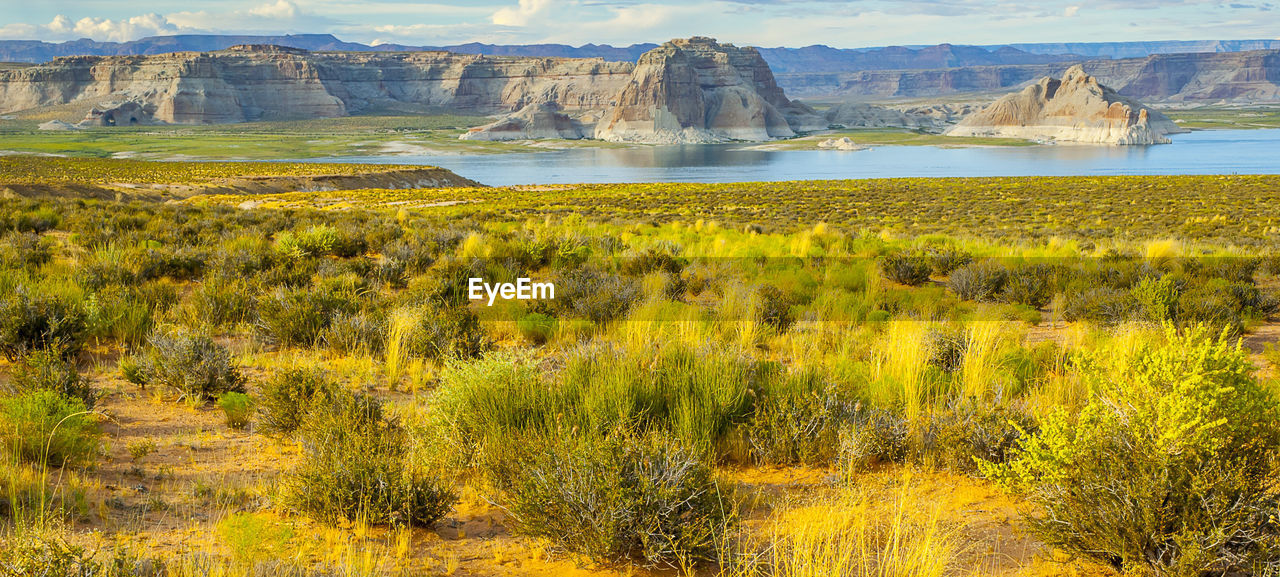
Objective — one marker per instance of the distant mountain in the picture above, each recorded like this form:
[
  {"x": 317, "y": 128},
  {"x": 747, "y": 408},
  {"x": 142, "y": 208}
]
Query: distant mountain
[
  {"x": 39, "y": 52},
  {"x": 1141, "y": 49}
]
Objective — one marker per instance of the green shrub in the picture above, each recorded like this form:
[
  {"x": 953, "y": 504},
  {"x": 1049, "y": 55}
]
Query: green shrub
[
  {"x": 289, "y": 396},
  {"x": 442, "y": 331},
  {"x": 219, "y": 301},
  {"x": 796, "y": 418},
  {"x": 1168, "y": 468},
  {"x": 24, "y": 250},
  {"x": 874, "y": 436},
  {"x": 537, "y": 328},
  {"x": 46, "y": 370},
  {"x": 614, "y": 499},
  {"x": 1109, "y": 306},
  {"x": 773, "y": 308},
  {"x": 237, "y": 408},
  {"x": 319, "y": 240},
  {"x": 298, "y": 317},
  {"x": 944, "y": 261},
  {"x": 118, "y": 313},
  {"x": 1028, "y": 285},
  {"x": 1157, "y": 298},
  {"x": 906, "y": 269},
  {"x": 30, "y": 322},
  {"x": 356, "y": 467},
  {"x": 192, "y": 364},
  {"x": 46, "y": 427}
]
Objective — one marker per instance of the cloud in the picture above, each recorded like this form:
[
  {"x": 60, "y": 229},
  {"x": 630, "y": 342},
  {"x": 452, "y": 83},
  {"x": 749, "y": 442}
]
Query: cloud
[
  {"x": 1071, "y": 11},
  {"x": 281, "y": 10},
  {"x": 123, "y": 29},
  {"x": 521, "y": 14}
]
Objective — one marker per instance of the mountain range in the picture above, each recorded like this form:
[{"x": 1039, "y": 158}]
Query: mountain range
[{"x": 812, "y": 59}]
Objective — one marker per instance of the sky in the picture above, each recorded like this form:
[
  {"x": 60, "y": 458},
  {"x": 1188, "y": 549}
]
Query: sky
[{"x": 769, "y": 23}]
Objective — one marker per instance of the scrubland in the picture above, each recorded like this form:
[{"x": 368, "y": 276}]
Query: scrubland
[{"x": 907, "y": 377}]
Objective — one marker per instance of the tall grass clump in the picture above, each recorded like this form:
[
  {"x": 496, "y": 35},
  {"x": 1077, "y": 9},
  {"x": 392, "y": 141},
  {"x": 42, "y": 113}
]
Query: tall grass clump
[
  {"x": 47, "y": 428},
  {"x": 855, "y": 536},
  {"x": 1167, "y": 468},
  {"x": 899, "y": 369}
]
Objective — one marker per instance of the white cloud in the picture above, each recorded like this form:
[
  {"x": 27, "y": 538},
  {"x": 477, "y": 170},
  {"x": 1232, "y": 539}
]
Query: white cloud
[
  {"x": 124, "y": 29},
  {"x": 281, "y": 10},
  {"x": 1071, "y": 11},
  {"x": 521, "y": 14}
]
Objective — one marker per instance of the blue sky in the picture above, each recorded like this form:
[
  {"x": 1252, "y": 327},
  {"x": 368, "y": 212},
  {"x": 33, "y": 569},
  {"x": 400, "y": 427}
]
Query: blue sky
[{"x": 843, "y": 24}]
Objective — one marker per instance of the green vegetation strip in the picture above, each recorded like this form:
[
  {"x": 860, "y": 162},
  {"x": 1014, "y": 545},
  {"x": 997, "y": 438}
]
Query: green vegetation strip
[{"x": 1223, "y": 210}]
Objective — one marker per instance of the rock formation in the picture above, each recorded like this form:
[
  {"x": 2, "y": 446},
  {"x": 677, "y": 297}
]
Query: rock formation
[
  {"x": 698, "y": 90},
  {"x": 127, "y": 113},
  {"x": 535, "y": 121},
  {"x": 248, "y": 83},
  {"x": 1074, "y": 109},
  {"x": 846, "y": 144}
]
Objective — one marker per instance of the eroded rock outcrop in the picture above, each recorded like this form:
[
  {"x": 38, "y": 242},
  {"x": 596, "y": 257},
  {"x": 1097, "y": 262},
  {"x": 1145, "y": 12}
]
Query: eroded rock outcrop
[
  {"x": 1074, "y": 109},
  {"x": 127, "y": 113},
  {"x": 698, "y": 90},
  {"x": 533, "y": 122}
]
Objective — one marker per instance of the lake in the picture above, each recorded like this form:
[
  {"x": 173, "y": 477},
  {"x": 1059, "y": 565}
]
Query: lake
[{"x": 1200, "y": 152}]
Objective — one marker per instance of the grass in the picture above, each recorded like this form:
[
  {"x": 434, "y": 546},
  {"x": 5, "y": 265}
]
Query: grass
[
  {"x": 1222, "y": 210},
  {"x": 1210, "y": 117},
  {"x": 749, "y": 329}
]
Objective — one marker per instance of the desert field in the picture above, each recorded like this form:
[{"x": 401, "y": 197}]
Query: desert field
[{"x": 276, "y": 369}]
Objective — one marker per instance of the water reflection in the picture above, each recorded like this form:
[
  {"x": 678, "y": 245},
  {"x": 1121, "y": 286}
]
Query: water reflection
[{"x": 1205, "y": 152}]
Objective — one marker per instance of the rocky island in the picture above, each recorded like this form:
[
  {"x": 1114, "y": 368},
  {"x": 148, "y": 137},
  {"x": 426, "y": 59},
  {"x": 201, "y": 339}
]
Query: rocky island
[{"x": 1075, "y": 108}]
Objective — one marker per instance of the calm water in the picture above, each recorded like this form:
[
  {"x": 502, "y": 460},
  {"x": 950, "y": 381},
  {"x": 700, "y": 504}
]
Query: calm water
[{"x": 1203, "y": 152}]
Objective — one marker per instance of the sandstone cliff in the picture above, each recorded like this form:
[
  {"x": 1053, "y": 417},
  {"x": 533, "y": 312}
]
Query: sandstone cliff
[
  {"x": 698, "y": 90},
  {"x": 1074, "y": 109},
  {"x": 269, "y": 82}
]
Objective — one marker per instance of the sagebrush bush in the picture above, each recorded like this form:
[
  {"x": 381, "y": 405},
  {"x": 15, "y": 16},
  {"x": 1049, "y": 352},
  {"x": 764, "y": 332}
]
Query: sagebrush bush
[
  {"x": 614, "y": 498},
  {"x": 288, "y": 397},
  {"x": 31, "y": 321},
  {"x": 1167, "y": 469},
  {"x": 44, "y": 427},
  {"x": 1028, "y": 285},
  {"x": 906, "y": 269},
  {"x": 191, "y": 363},
  {"x": 356, "y": 467},
  {"x": 773, "y": 308},
  {"x": 595, "y": 295},
  {"x": 796, "y": 418},
  {"x": 47, "y": 370},
  {"x": 945, "y": 260},
  {"x": 980, "y": 281}
]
